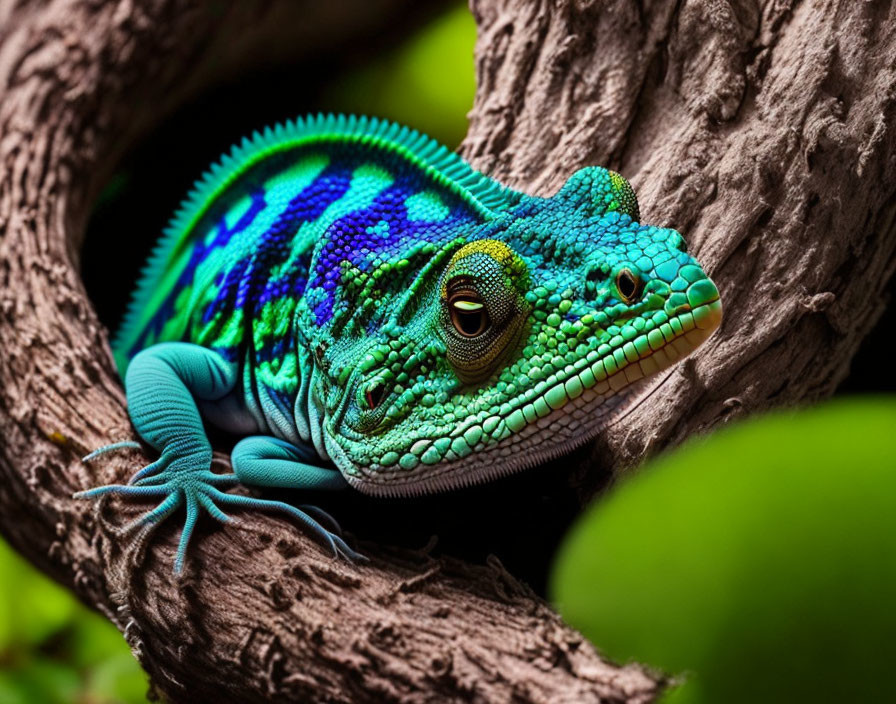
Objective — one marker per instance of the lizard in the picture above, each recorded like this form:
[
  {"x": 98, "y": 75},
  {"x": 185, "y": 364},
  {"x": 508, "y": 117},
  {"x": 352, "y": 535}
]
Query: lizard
[{"x": 342, "y": 291}]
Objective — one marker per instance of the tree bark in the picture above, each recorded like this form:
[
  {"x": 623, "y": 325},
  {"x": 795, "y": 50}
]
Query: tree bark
[
  {"x": 263, "y": 612},
  {"x": 762, "y": 131}
]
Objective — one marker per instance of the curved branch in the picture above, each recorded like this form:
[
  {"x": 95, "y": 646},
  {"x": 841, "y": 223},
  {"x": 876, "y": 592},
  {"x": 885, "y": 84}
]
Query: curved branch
[
  {"x": 760, "y": 130},
  {"x": 263, "y": 611}
]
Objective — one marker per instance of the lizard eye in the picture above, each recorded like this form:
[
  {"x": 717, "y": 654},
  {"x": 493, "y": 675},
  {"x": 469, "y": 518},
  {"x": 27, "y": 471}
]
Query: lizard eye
[
  {"x": 481, "y": 307},
  {"x": 468, "y": 313},
  {"x": 628, "y": 285}
]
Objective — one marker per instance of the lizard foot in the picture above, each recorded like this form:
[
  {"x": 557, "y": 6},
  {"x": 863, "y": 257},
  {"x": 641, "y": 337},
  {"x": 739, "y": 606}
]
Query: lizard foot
[{"x": 180, "y": 483}]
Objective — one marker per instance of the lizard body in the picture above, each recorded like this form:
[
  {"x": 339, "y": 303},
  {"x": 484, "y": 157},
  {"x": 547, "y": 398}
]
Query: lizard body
[{"x": 345, "y": 289}]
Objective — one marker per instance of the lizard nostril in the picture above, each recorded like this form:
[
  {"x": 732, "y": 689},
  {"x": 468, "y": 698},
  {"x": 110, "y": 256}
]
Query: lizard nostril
[{"x": 374, "y": 394}]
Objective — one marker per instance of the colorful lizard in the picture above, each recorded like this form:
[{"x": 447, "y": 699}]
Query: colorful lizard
[{"x": 345, "y": 289}]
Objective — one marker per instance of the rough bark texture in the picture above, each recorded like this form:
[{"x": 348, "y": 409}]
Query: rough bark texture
[
  {"x": 263, "y": 612},
  {"x": 762, "y": 130}
]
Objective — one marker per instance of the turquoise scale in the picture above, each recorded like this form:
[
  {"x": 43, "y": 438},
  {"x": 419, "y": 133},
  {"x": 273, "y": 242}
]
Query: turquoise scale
[{"x": 281, "y": 220}]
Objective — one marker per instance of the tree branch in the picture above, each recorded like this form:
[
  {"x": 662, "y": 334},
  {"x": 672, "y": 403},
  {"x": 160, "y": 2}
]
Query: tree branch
[
  {"x": 760, "y": 130},
  {"x": 263, "y": 612}
]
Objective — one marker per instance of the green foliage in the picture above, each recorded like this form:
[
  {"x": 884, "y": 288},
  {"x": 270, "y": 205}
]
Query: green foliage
[
  {"x": 54, "y": 649},
  {"x": 760, "y": 562},
  {"x": 427, "y": 83}
]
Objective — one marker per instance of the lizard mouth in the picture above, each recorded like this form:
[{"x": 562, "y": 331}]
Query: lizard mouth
[{"x": 556, "y": 415}]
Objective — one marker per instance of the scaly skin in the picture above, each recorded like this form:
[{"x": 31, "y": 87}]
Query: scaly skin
[{"x": 357, "y": 289}]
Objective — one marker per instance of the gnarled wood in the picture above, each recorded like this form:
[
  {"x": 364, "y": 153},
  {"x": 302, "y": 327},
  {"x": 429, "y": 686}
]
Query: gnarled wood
[
  {"x": 763, "y": 131},
  {"x": 263, "y": 612}
]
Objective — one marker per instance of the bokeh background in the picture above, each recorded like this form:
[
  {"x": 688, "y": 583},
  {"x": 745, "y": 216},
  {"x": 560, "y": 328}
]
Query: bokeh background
[{"x": 53, "y": 649}]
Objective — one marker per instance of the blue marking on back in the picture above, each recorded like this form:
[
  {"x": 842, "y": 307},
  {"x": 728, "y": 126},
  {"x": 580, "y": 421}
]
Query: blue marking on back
[{"x": 358, "y": 236}]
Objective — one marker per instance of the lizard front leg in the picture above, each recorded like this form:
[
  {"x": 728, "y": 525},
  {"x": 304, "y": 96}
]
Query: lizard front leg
[
  {"x": 271, "y": 462},
  {"x": 163, "y": 383}
]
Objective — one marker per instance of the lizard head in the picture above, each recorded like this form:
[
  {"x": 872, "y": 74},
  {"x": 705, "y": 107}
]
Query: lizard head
[{"x": 503, "y": 344}]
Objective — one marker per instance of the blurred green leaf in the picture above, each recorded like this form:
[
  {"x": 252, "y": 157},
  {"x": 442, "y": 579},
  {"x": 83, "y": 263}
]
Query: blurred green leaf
[
  {"x": 427, "y": 83},
  {"x": 760, "y": 562},
  {"x": 43, "y": 608},
  {"x": 32, "y": 606},
  {"x": 14, "y": 689},
  {"x": 91, "y": 639},
  {"x": 49, "y": 682},
  {"x": 54, "y": 649},
  {"x": 116, "y": 679}
]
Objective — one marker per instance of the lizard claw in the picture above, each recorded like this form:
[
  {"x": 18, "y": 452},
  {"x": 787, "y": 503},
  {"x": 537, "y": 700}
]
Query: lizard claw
[
  {"x": 123, "y": 445},
  {"x": 331, "y": 538},
  {"x": 196, "y": 489}
]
